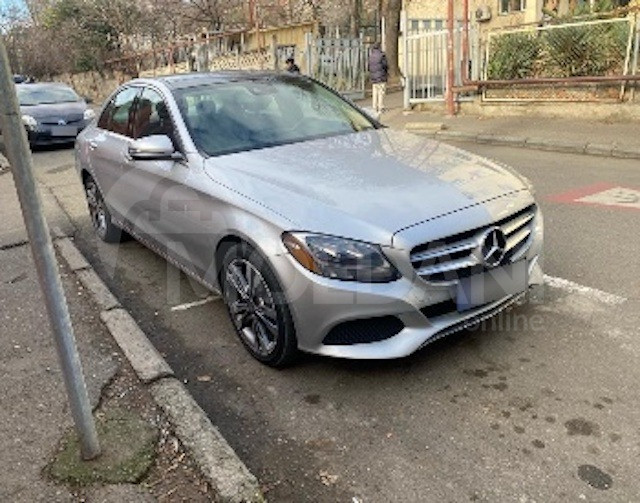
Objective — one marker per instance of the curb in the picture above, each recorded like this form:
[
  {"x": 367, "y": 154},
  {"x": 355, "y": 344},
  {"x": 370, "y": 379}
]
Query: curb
[
  {"x": 211, "y": 452},
  {"x": 587, "y": 148},
  {"x": 216, "y": 459}
]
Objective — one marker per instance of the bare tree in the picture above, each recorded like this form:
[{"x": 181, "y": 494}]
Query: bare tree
[
  {"x": 355, "y": 18},
  {"x": 58, "y": 36},
  {"x": 215, "y": 14},
  {"x": 392, "y": 9}
]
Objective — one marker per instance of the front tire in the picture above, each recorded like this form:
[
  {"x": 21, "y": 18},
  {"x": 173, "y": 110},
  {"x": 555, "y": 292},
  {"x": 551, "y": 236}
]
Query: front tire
[
  {"x": 100, "y": 215},
  {"x": 257, "y": 306}
]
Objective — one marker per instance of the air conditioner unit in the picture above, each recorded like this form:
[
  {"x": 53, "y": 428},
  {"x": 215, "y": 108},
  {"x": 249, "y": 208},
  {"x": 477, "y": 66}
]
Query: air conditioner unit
[{"x": 483, "y": 13}]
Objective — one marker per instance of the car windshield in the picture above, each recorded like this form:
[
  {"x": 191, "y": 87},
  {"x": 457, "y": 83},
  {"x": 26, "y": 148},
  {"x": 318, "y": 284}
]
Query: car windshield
[
  {"x": 237, "y": 116},
  {"x": 30, "y": 95}
]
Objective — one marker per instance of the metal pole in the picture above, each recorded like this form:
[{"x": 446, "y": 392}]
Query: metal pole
[
  {"x": 309, "y": 38},
  {"x": 408, "y": 72},
  {"x": 451, "y": 110},
  {"x": 634, "y": 69},
  {"x": 46, "y": 266},
  {"x": 465, "y": 42},
  {"x": 627, "y": 59},
  {"x": 383, "y": 34}
]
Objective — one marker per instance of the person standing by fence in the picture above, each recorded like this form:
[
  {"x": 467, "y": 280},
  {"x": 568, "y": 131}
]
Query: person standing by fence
[{"x": 379, "y": 73}]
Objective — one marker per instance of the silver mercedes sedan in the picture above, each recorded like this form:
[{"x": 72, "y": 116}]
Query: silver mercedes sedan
[{"x": 324, "y": 231}]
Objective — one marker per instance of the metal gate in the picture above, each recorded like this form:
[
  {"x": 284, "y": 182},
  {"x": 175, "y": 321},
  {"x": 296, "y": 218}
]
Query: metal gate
[
  {"x": 425, "y": 63},
  {"x": 340, "y": 63}
]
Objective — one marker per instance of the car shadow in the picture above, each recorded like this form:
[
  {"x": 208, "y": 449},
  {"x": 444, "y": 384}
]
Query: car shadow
[{"x": 52, "y": 147}]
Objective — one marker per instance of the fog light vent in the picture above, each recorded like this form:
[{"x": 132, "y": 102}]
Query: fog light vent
[{"x": 364, "y": 331}]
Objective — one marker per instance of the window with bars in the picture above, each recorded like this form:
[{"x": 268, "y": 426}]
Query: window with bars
[
  {"x": 509, "y": 6},
  {"x": 417, "y": 25}
]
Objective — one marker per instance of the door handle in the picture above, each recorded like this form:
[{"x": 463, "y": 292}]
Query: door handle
[{"x": 93, "y": 145}]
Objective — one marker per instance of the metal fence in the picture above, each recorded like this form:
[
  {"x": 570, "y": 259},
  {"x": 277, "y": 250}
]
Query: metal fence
[
  {"x": 588, "y": 48},
  {"x": 195, "y": 56},
  {"x": 339, "y": 62},
  {"x": 425, "y": 63}
]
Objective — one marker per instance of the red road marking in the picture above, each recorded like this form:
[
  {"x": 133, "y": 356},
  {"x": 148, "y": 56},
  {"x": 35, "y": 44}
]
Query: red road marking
[{"x": 575, "y": 196}]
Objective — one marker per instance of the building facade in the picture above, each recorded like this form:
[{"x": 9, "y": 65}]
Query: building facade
[{"x": 431, "y": 15}]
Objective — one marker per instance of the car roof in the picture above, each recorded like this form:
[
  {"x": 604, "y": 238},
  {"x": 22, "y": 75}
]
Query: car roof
[{"x": 199, "y": 78}]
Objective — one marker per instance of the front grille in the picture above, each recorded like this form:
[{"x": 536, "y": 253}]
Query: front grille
[
  {"x": 449, "y": 259},
  {"x": 53, "y": 121},
  {"x": 364, "y": 331}
]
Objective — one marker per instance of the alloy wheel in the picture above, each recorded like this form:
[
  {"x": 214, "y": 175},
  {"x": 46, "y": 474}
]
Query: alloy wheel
[
  {"x": 97, "y": 209},
  {"x": 252, "y": 306}
]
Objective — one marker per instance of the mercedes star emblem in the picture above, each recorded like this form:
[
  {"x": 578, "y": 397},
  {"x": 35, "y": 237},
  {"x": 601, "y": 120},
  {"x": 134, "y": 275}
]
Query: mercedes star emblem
[{"x": 493, "y": 247}]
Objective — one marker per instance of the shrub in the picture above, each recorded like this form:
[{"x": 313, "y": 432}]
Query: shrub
[
  {"x": 589, "y": 50},
  {"x": 513, "y": 56}
]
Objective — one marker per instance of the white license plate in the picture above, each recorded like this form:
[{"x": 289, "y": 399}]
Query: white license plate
[
  {"x": 64, "y": 131},
  {"x": 492, "y": 285}
]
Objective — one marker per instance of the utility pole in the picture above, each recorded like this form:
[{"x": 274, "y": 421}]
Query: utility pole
[
  {"x": 46, "y": 266},
  {"x": 451, "y": 107}
]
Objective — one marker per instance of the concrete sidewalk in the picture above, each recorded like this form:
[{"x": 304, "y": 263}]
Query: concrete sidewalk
[
  {"x": 34, "y": 413},
  {"x": 583, "y": 136},
  {"x": 35, "y": 416}
]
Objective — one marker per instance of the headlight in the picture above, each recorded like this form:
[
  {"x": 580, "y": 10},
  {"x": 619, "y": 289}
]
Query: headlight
[
  {"x": 89, "y": 114},
  {"x": 29, "y": 121},
  {"x": 340, "y": 258}
]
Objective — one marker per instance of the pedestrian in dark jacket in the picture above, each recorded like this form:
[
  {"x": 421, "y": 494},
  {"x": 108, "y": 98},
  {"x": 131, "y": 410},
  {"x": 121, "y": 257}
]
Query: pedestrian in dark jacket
[
  {"x": 379, "y": 74},
  {"x": 292, "y": 67}
]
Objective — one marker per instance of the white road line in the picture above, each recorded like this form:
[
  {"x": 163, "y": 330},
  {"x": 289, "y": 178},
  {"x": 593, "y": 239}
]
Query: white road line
[
  {"x": 189, "y": 305},
  {"x": 593, "y": 293}
]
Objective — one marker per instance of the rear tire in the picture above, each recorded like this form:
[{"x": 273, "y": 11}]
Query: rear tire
[
  {"x": 258, "y": 307},
  {"x": 100, "y": 216}
]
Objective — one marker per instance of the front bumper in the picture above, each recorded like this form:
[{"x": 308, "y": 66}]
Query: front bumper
[
  {"x": 46, "y": 134},
  {"x": 320, "y": 304}
]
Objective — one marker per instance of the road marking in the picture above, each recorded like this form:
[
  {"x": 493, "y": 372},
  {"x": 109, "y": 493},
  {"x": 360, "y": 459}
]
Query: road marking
[
  {"x": 616, "y": 196},
  {"x": 593, "y": 293},
  {"x": 601, "y": 194},
  {"x": 189, "y": 305}
]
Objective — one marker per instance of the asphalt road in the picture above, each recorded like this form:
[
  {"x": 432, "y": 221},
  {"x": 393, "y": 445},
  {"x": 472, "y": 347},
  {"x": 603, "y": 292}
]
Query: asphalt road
[{"x": 539, "y": 406}]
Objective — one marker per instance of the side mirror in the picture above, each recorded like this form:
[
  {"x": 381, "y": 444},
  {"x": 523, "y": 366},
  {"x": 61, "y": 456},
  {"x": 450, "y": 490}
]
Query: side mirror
[
  {"x": 154, "y": 148},
  {"x": 371, "y": 113},
  {"x": 88, "y": 100}
]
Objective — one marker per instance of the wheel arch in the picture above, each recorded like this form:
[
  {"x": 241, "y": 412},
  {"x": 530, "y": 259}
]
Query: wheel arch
[{"x": 233, "y": 238}]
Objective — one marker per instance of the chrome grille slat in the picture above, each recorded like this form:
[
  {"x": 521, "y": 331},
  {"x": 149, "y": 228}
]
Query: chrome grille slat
[
  {"x": 515, "y": 239},
  {"x": 513, "y": 225},
  {"x": 441, "y": 251},
  {"x": 444, "y": 263},
  {"x": 453, "y": 265}
]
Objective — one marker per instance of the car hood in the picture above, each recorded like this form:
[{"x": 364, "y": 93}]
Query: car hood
[
  {"x": 365, "y": 185},
  {"x": 66, "y": 111}
]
